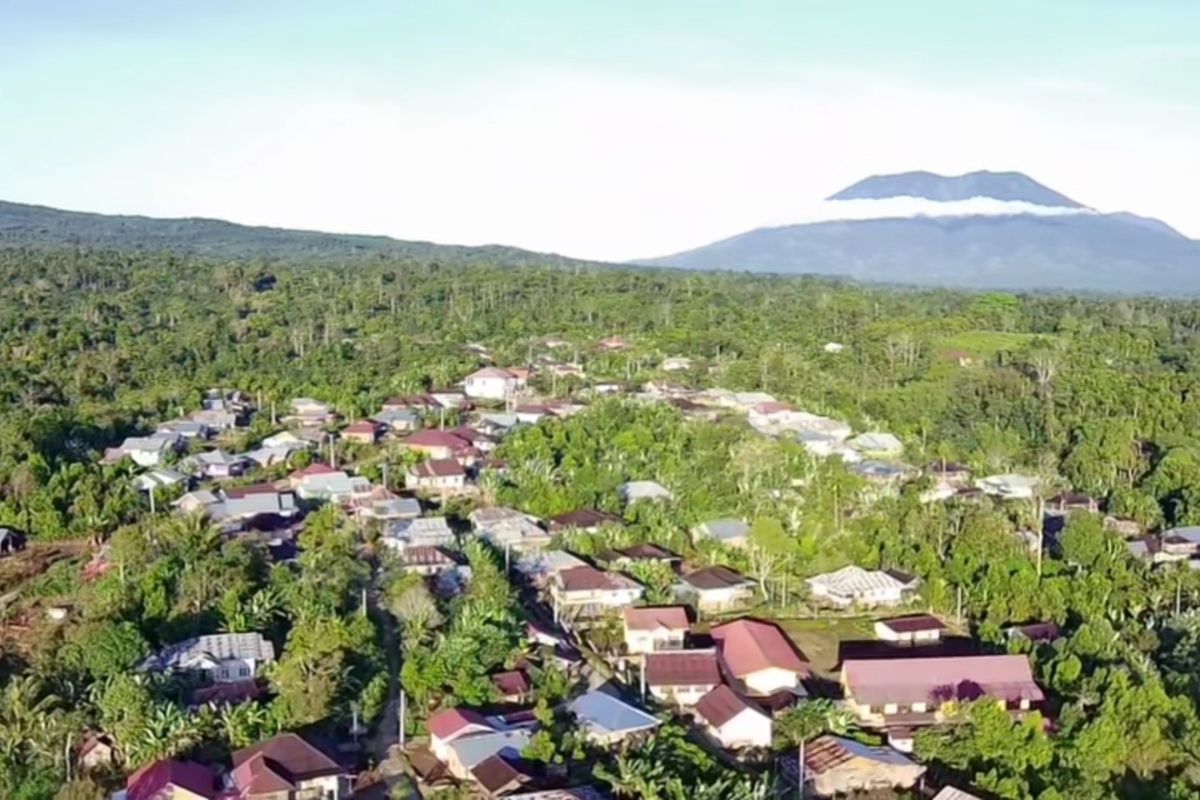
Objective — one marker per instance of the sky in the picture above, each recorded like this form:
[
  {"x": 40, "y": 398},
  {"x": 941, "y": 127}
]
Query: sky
[{"x": 612, "y": 130}]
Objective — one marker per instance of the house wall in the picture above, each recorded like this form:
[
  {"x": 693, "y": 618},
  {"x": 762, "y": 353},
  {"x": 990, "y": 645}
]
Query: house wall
[
  {"x": 234, "y": 669},
  {"x": 720, "y": 599},
  {"x": 769, "y": 681},
  {"x": 747, "y": 729},
  {"x": 331, "y": 787},
  {"x": 489, "y": 388},
  {"x": 650, "y": 641},
  {"x": 859, "y": 775},
  {"x": 681, "y": 695}
]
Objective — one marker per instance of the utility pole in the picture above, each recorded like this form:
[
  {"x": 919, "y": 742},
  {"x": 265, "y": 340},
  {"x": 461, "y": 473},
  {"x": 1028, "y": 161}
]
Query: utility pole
[
  {"x": 800, "y": 773},
  {"x": 403, "y": 709},
  {"x": 959, "y": 614},
  {"x": 332, "y": 453},
  {"x": 151, "y": 493},
  {"x": 385, "y": 476},
  {"x": 642, "y": 672}
]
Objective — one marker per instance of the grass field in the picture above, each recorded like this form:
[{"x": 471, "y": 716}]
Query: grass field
[
  {"x": 819, "y": 638},
  {"x": 983, "y": 345}
]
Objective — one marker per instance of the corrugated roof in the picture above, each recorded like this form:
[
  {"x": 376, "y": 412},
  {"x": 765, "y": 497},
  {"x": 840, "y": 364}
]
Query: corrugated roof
[
  {"x": 602, "y": 714},
  {"x": 683, "y": 668},
  {"x": 936, "y": 680},
  {"x": 721, "y": 705},
  {"x": 451, "y": 722},
  {"x": 913, "y": 623},
  {"x": 750, "y": 646},
  {"x": 710, "y": 578},
  {"x": 649, "y": 618},
  {"x": 828, "y": 752}
]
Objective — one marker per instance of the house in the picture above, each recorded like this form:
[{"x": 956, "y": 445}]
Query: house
[
  {"x": 398, "y": 420},
  {"x": 498, "y": 776},
  {"x": 951, "y": 793},
  {"x": 759, "y": 658},
  {"x": 653, "y": 628},
  {"x": 676, "y": 364},
  {"x": 311, "y": 413},
  {"x": 509, "y": 528},
  {"x": 199, "y": 501},
  {"x": 269, "y": 456},
  {"x": 606, "y": 719},
  {"x": 385, "y": 506},
  {"x": 218, "y": 419},
  {"x": 436, "y": 444},
  {"x": 187, "y": 428},
  {"x": 232, "y": 693},
  {"x": 468, "y": 752},
  {"x": 96, "y": 751},
  {"x": 420, "y": 532},
  {"x": 824, "y": 445},
  {"x": 427, "y": 560},
  {"x": 612, "y": 344},
  {"x": 532, "y": 413},
  {"x": 1008, "y": 487},
  {"x": 437, "y": 475},
  {"x": 364, "y": 431},
  {"x": 1033, "y": 631},
  {"x": 731, "y": 532},
  {"x": 854, "y": 585},
  {"x": 289, "y": 767},
  {"x": 836, "y": 766},
  {"x": 493, "y": 383},
  {"x": 877, "y": 444},
  {"x": 713, "y": 589},
  {"x": 450, "y": 724},
  {"x": 768, "y": 412},
  {"x": 540, "y": 568},
  {"x": 681, "y": 677},
  {"x": 11, "y": 541},
  {"x": 883, "y": 474},
  {"x": 1123, "y": 526},
  {"x": 636, "y": 491},
  {"x": 412, "y": 403},
  {"x": 146, "y": 451},
  {"x": 745, "y": 401},
  {"x": 588, "y": 520},
  {"x": 733, "y": 723},
  {"x": 159, "y": 478},
  {"x": 332, "y": 487},
  {"x": 586, "y": 592},
  {"x": 220, "y": 657},
  {"x": 171, "y": 779},
  {"x": 833, "y": 347},
  {"x": 1066, "y": 502},
  {"x": 453, "y": 399},
  {"x": 242, "y": 505},
  {"x": 513, "y": 686},
  {"x": 640, "y": 554},
  {"x": 914, "y": 629},
  {"x": 216, "y": 464},
  {"x": 950, "y": 473},
  {"x": 911, "y": 692}
]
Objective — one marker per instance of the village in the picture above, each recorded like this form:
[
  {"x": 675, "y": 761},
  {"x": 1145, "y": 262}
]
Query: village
[{"x": 712, "y": 654}]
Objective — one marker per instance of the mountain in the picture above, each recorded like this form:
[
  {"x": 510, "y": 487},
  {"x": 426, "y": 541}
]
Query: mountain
[
  {"x": 983, "y": 230},
  {"x": 40, "y": 226}
]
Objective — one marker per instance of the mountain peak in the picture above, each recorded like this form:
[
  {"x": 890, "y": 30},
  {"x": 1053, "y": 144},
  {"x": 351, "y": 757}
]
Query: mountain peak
[{"x": 1007, "y": 186}]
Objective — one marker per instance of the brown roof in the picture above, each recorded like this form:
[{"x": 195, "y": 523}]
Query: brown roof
[
  {"x": 914, "y": 623},
  {"x": 749, "y": 646},
  {"x": 721, "y": 705},
  {"x": 245, "y": 491},
  {"x": 682, "y": 668},
  {"x": 292, "y": 755},
  {"x": 512, "y": 683},
  {"x": 439, "y": 468},
  {"x": 157, "y": 779},
  {"x": 449, "y": 722},
  {"x": 497, "y": 776},
  {"x": 715, "y": 578},
  {"x": 937, "y": 680},
  {"x": 590, "y": 579},
  {"x": 648, "y": 552},
  {"x": 435, "y": 439},
  {"x": 230, "y": 693},
  {"x": 315, "y": 468},
  {"x": 651, "y": 618},
  {"x": 584, "y": 518},
  {"x": 362, "y": 426},
  {"x": 829, "y": 752},
  {"x": 426, "y": 556}
]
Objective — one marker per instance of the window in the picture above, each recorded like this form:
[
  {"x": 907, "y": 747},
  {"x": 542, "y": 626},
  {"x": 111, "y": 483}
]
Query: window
[
  {"x": 918, "y": 708},
  {"x": 244, "y": 671},
  {"x": 890, "y": 708}
]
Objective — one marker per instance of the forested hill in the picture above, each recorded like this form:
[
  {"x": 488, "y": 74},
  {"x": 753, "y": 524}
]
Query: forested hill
[{"x": 41, "y": 226}]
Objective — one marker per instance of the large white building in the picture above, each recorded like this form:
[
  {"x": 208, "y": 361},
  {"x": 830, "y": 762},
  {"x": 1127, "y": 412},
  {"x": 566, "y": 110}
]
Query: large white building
[{"x": 493, "y": 383}]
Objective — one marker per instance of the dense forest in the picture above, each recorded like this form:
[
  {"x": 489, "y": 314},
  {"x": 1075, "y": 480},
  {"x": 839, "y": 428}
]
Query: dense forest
[{"x": 1097, "y": 395}]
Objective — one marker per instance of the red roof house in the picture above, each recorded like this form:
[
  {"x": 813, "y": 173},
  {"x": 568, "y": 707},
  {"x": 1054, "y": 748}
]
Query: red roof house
[
  {"x": 172, "y": 778},
  {"x": 759, "y": 656},
  {"x": 682, "y": 676},
  {"x": 287, "y": 763}
]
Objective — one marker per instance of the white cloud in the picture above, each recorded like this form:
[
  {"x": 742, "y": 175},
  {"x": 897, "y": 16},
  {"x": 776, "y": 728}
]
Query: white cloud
[{"x": 600, "y": 167}]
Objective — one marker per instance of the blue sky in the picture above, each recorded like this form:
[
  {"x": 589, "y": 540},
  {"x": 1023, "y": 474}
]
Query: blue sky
[{"x": 614, "y": 130}]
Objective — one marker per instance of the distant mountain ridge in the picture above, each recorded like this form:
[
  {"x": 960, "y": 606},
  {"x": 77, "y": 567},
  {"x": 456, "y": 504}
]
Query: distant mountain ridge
[
  {"x": 1008, "y": 186},
  {"x": 42, "y": 226},
  {"x": 982, "y": 230}
]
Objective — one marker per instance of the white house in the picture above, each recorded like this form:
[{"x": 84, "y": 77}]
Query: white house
[
  {"x": 221, "y": 657},
  {"x": 1008, "y": 487},
  {"x": 877, "y": 443},
  {"x": 588, "y": 592},
  {"x": 681, "y": 677},
  {"x": 733, "y": 722},
  {"x": 636, "y": 491},
  {"x": 493, "y": 383},
  {"x": 444, "y": 475},
  {"x": 714, "y": 589},
  {"x": 915, "y": 629},
  {"x": 759, "y": 659},
  {"x": 288, "y": 766},
  {"x": 854, "y": 585},
  {"x": 146, "y": 451},
  {"x": 653, "y": 628}
]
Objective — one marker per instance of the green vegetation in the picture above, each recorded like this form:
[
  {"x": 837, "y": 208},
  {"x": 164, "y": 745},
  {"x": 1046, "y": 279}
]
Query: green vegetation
[{"x": 1099, "y": 395}]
